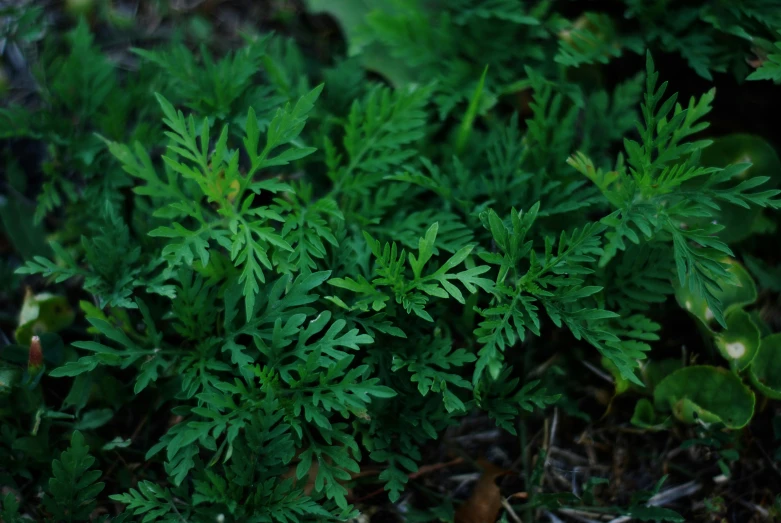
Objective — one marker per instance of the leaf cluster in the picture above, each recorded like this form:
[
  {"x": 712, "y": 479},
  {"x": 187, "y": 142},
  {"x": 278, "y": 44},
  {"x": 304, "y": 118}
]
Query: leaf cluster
[{"x": 295, "y": 274}]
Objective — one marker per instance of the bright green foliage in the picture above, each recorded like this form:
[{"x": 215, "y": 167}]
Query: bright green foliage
[
  {"x": 514, "y": 310},
  {"x": 376, "y": 137},
  {"x": 413, "y": 293},
  {"x": 770, "y": 68},
  {"x": 228, "y": 217},
  {"x": 300, "y": 273},
  {"x": 155, "y": 503},
  {"x": 662, "y": 185}
]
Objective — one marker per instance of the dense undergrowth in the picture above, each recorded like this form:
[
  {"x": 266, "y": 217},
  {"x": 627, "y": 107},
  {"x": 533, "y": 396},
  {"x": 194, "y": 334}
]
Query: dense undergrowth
[{"x": 281, "y": 261}]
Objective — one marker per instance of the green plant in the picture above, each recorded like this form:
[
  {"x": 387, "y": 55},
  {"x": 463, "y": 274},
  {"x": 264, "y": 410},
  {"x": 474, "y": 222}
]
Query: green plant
[
  {"x": 73, "y": 486},
  {"x": 294, "y": 279}
]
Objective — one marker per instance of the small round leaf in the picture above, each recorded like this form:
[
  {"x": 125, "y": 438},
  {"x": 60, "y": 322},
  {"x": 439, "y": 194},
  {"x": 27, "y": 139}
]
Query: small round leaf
[
  {"x": 739, "y": 343},
  {"x": 710, "y": 394}
]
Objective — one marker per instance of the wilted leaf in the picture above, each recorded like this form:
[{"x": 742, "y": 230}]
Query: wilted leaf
[{"x": 484, "y": 504}]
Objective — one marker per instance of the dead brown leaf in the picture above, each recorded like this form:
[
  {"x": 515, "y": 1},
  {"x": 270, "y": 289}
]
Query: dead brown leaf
[{"x": 484, "y": 504}]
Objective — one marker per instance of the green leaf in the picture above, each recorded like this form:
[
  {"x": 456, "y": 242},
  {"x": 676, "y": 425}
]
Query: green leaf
[
  {"x": 465, "y": 128},
  {"x": 425, "y": 251},
  {"x": 283, "y": 129},
  {"x": 93, "y": 419},
  {"x": 705, "y": 393},
  {"x": 147, "y": 499},
  {"x": 765, "y": 370},
  {"x": 645, "y": 417},
  {"x": 655, "y": 370},
  {"x": 740, "y": 210},
  {"x": 430, "y": 369},
  {"x": 770, "y": 69},
  {"x": 397, "y": 471},
  {"x": 739, "y": 342},
  {"x": 378, "y": 134},
  {"x": 73, "y": 486},
  {"x": 735, "y": 293}
]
